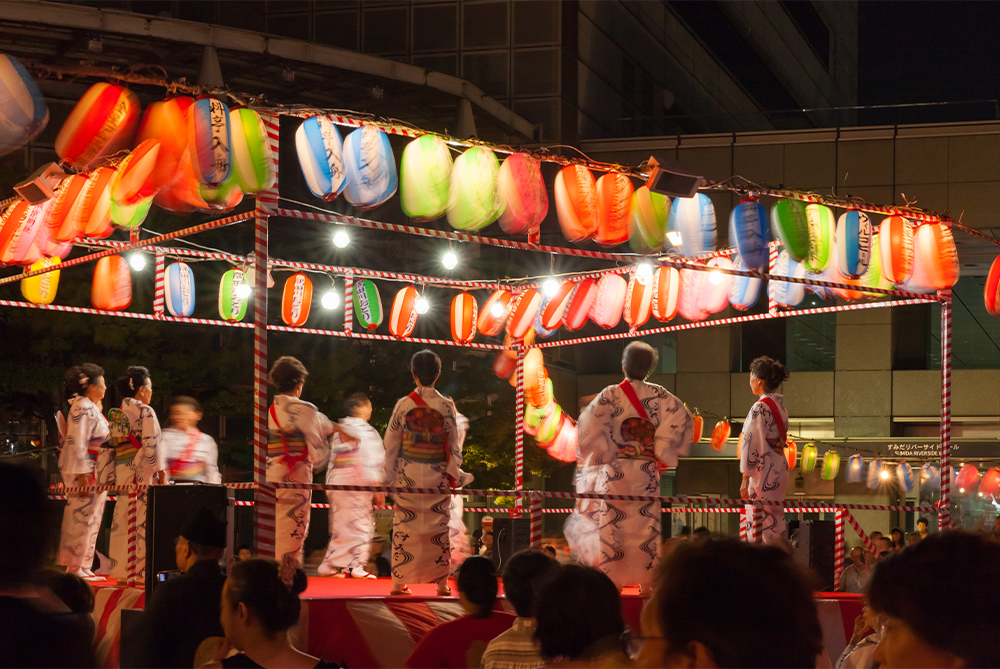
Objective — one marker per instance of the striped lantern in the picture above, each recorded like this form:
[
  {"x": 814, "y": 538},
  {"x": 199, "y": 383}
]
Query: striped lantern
[
  {"x": 538, "y": 327},
  {"x": 505, "y": 365},
  {"x": 131, "y": 215},
  {"x": 614, "y": 202},
  {"x": 581, "y": 300},
  {"x": 750, "y": 233},
  {"x": 745, "y": 290},
  {"x": 370, "y": 168},
  {"x": 854, "y": 243},
  {"x": 17, "y": 237},
  {"x": 666, "y": 291},
  {"x": 183, "y": 193},
  {"x": 495, "y": 312},
  {"x": 134, "y": 179},
  {"x": 855, "y": 469},
  {"x": 102, "y": 123},
  {"x": 178, "y": 289},
  {"x": 895, "y": 236},
  {"x": 23, "y": 114},
  {"x": 967, "y": 478},
  {"x": 112, "y": 285},
  {"x": 549, "y": 429},
  {"x": 526, "y": 201},
  {"x": 904, "y": 473},
  {"x": 610, "y": 301},
  {"x": 63, "y": 225},
  {"x": 222, "y": 199},
  {"x": 533, "y": 417},
  {"x": 320, "y": 150},
  {"x": 425, "y": 178},
  {"x": 534, "y": 378},
  {"x": 210, "y": 141},
  {"x": 786, "y": 293},
  {"x": 694, "y": 219},
  {"x": 536, "y": 413},
  {"x": 48, "y": 245},
  {"x": 831, "y": 465},
  {"x": 719, "y": 435},
  {"x": 648, "y": 215},
  {"x": 935, "y": 245},
  {"x": 41, "y": 289},
  {"x": 473, "y": 197},
  {"x": 232, "y": 307},
  {"x": 92, "y": 210},
  {"x": 564, "y": 448},
  {"x": 577, "y": 206},
  {"x": 551, "y": 316},
  {"x": 166, "y": 122},
  {"x": 522, "y": 314},
  {"x": 367, "y": 304},
  {"x": 808, "y": 458},
  {"x": 252, "y": 157},
  {"x": 874, "y": 478},
  {"x": 464, "y": 311},
  {"x": 403, "y": 316},
  {"x": 296, "y": 299},
  {"x": 874, "y": 278},
  {"x": 10, "y": 221},
  {"x": 931, "y": 474},
  {"x": 690, "y": 303},
  {"x": 715, "y": 287},
  {"x": 791, "y": 225},
  {"x": 919, "y": 281},
  {"x": 989, "y": 486},
  {"x": 791, "y": 453},
  {"x": 822, "y": 231},
  {"x": 991, "y": 291},
  {"x": 638, "y": 302}
]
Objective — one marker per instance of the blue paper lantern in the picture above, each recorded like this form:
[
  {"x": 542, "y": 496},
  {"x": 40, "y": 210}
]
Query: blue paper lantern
[
  {"x": 855, "y": 469},
  {"x": 320, "y": 151},
  {"x": 23, "y": 113},
  {"x": 370, "y": 168},
  {"x": 750, "y": 232},
  {"x": 209, "y": 141},
  {"x": 178, "y": 289},
  {"x": 694, "y": 219},
  {"x": 931, "y": 475},
  {"x": 745, "y": 290},
  {"x": 540, "y": 329},
  {"x": 786, "y": 293},
  {"x": 904, "y": 472},
  {"x": 875, "y": 470},
  {"x": 854, "y": 243}
]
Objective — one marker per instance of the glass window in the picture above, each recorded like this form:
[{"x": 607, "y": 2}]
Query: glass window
[
  {"x": 488, "y": 71},
  {"x": 975, "y": 335},
  {"x": 541, "y": 112},
  {"x": 811, "y": 341},
  {"x": 339, "y": 29},
  {"x": 444, "y": 63},
  {"x": 434, "y": 28},
  {"x": 536, "y": 22},
  {"x": 288, "y": 7},
  {"x": 243, "y": 15},
  {"x": 536, "y": 72},
  {"x": 484, "y": 25},
  {"x": 295, "y": 26},
  {"x": 386, "y": 31}
]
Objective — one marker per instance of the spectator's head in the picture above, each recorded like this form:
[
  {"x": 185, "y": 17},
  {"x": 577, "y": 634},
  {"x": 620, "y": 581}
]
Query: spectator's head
[
  {"x": 720, "y": 625},
  {"x": 857, "y": 556},
  {"x": 488, "y": 539},
  {"x": 638, "y": 360},
  {"x": 685, "y": 533},
  {"x": 913, "y": 538},
  {"x": 185, "y": 412},
  {"x": 897, "y": 536},
  {"x": 477, "y": 586},
  {"x": 426, "y": 367},
  {"x": 875, "y": 536},
  {"x": 579, "y": 615},
  {"x": 86, "y": 380},
  {"x": 357, "y": 405},
  {"x": 767, "y": 375},
  {"x": 259, "y": 599},
  {"x": 71, "y": 590},
  {"x": 934, "y": 601},
  {"x": 203, "y": 537},
  {"x": 884, "y": 546},
  {"x": 244, "y": 552},
  {"x": 702, "y": 533},
  {"x": 136, "y": 383},
  {"x": 922, "y": 525},
  {"x": 549, "y": 550},
  {"x": 524, "y": 577},
  {"x": 287, "y": 375},
  {"x": 25, "y": 519}
]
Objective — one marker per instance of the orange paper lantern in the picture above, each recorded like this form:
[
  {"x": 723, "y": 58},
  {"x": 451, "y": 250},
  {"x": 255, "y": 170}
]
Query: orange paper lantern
[
  {"x": 296, "y": 300},
  {"x": 17, "y": 239},
  {"x": 638, "y": 302},
  {"x": 581, "y": 300},
  {"x": 614, "y": 201},
  {"x": 494, "y": 313},
  {"x": 92, "y": 210},
  {"x": 135, "y": 178},
  {"x": 577, "y": 205},
  {"x": 166, "y": 122},
  {"x": 102, "y": 123},
  {"x": 699, "y": 426},
  {"x": 463, "y": 317},
  {"x": 534, "y": 377},
  {"x": 895, "y": 236},
  {"x": 522, "y": 315},
  {"x": 720, "y": 434},
  {"x": 59, "y": 220},
  {"x": 555, "y": 308},
  {"x": 938, "y": 255},
  {"x": 791, "y": 453},
  {"x": 404, "y": 313},
  {"x": 666, "y": 290},
  {"x": 112, "y": 285}
]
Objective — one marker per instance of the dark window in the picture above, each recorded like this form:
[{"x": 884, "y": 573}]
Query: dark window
[
  {"x": 812, "y": 27},
  {"x": 386, "y": 31},
  {"x": 488, "y": 71},
  {"x": 339, "y": 29},
  {"x": 288, "y": 6},
  {"x": 541, "y": 112},
  {"x": 484, "y": 25},
  {"x": 536, "y": 72},
  {"x": 248, "y": 15},
  {"x": 434, "y": 28},
  {"x": 445, "y": 64},
  {"x": 202, "y": 12},
  {"x": 295, "y": 26},
  {"x": 536, "y": 22}
]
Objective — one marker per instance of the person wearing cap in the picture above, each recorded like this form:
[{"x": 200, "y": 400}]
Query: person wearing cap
[{"x": 185, "y": 610}]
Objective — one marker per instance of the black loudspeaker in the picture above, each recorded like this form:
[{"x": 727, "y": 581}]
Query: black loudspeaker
[
  {"x": 815, "y": 549},
  {"x": 510, "y": 535},
  {"x": 168, "y": 507},
  {"x": 130, "y": 646}
]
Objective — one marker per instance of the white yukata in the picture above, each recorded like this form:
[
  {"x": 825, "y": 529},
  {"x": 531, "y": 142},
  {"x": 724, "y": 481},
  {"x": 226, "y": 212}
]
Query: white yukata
[
  {"x": 458, "y": 533},
  {"x": 423, "y": 448},
  {"x": 581, "y": 529},
  {"x": 137, "y": 459},
  {"x": 763, "y": 460},
  {"x": 82, "y": 453},
  {"x": 301, "y": 441},
  {"x": 190, "y": 456},
  {"x": 630, "y": 448},
  {"x": 352, "y": 524}
]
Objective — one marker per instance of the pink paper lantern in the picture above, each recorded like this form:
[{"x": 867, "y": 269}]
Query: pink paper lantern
[{"x": 610, "y": 301}]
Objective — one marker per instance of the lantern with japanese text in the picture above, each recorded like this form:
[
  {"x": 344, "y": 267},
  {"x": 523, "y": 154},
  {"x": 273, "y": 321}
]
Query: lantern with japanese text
[
  {"x": 494, "y": 313},
  {"x": 473, "y": 197},
  {"x": 787, "y": 293},
  {"x": 967, "y": 478},
  {"x": 854, "y": 243},
  {"x": 895, "y": 236},
  {"x": 522, "y": 314},
  {"x": 112, "y": 285},
  {"x": 791, "y": 225},
  {"x": 23, "y": 114},
  {"x": 522, "y": 189},
  {"x": 581, "y": 301},
  {"x": 607, "y": 308},
  {"x": 320, "y": 150},
  {"x": 41, "y": 289},
  {"x": 750, "y": 233},
  {"x": 252, "y": 157},
  {"x": 577, "y": 206},
  {"x": 745, "y": 290},
  {"x": 296, "y": 299},
  {"x": 92, "y": 209},
  {"x": 666, "y": 291},
  {"x": 464, "y": 311},
  {"x": 822, "y": 231},
  {"x": 17, "y": 237},
  {"x": 232, "y": 307},
  {"x": 403, "y": 316},
  {"x": 552, "y": 313},
  {"x": 690, "y": 304},
  {"x": 614, "y": 201},
  {"x": 367, "y": 304},
  {"x": 989, "y": 486},
  {"x": 855, "y": 469},
  {"x": 649, "y": 219},
  {"x": 809, "y": 454},
  {"x": 875, "y": 478},
  {"x": 425, "y": 178},
  {"x": 904, "y": 473},
  {"x": 638, "y": 302},
  {"x": 694, "y": 219},
  {"x": 720, "y": 434},
  {"x": 534, "y": 377},
  {"x": 930, "y": 474},
  {"x": 166, "y": 121},
  {"x": 370, "y": 168},
  {"x": 10, "y": 221},
  {"x": 178, "y": 289},
  {"x": 715, "y": 288},
  {"x": 102, "y": 123},
  {"x": 210, "y": 141},
  {"x": 135, "y": 178},
  {"x": 873, "y": 277},
  {"x": 935, "y": 245},
  {"x": 48, "y": 245},
  {"x": 831, "y": 465}
]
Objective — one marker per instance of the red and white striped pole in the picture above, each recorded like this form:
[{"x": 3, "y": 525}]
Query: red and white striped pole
[
  {"x": 266, "y": 496},
  {"x": 758, "y": 523},
  {"x": 743, "y": 524},
  {"x": 944, "y": 516},
  {"x": 132, "y": 567},
  {"x": 348, "y": 303},
  {"x": 772, "y": 259},
  {"x": 838, "y": 548},
  {"x": 519, "y": 432},
  {"x": 537, "y": 502},
  {"x": 865, "y": 539},
  {"x": 158, "y": 291}
]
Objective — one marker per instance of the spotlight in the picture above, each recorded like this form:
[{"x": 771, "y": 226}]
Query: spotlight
[
  {"x": 496, "y": 310},
  {"x": 550, "y": 286},
  {"x": 137, "y": 261},
  {"x": 421, "y": 305},
  {"x": 884, "y": 475},
  {"x": 644, "y": 272},
  {"x": 243, "y": 291},
  {"x": 331, "y": 299},
  {"x": 715, "y": 278},
  {"x": 341, "y": 239},
  {"x": 450, "y": 260}
]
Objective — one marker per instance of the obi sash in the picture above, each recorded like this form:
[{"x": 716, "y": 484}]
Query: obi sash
[
  {"x": 121, "y": 438},
  {"x": 425, "y": 438},
  {"x": 287, "y": 444},
  {"x": 183, "y": 466},
  {"x": 638, "y": 433}
]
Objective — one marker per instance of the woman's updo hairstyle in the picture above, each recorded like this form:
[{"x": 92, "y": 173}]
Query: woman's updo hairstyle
[
  {"x": 132, "y": 381},
  {"x": 770, "y": 371},
  {"x": 286, "y": 374},
  {"x": 80, "y": 377},
  {"x": 257, "y": 584}
]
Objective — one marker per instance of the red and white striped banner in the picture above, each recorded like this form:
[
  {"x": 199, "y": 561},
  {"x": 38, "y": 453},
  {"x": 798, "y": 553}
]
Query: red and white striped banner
[
  {"x": 944, "y": 517},
  {"x": 158, "y": 289}
]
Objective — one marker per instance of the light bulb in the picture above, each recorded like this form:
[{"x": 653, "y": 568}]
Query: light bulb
[
  {"x": 550, "y": 286},
  {"x": 980, "y": 494},
  {"x": 644, "y": 272},
  {"x": 496, "y": 310},
  {"x": 884, "y": 474},
  {"x": 137, "y": 261},
  {"x": 421, "y": 305},
  {"x": 243, "y": 291},
  {"x": 341, "y": 239},
  {"x": 961, "y": 490},
  {"x": 715, "y": 277},
  {"x": 674, "y": 237},
  {"x": 331, "y": 299},
  {"x": 450, "y": 260}
]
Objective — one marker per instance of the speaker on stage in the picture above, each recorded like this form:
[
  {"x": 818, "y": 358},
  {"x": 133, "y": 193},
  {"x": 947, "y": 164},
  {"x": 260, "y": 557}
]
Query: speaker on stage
[
  {"x": 510, "y": 535},
  {"x": 815, "y": 549},
  {"x": 168, "y": 507}
]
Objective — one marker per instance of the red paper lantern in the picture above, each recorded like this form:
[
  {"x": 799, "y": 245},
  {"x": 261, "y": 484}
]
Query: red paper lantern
[
  {"x": 135, "y": 178},
  {"x": 720, "y": 434},
  {"x": 967, "y": 477},
  {"x": 895, "y": 238},
  {"x": 19, "y": 246},
  {"x": 791, "y": 453},
  {"x": 989, "y": 486},
  {"x": 534, "y": 377},
  {"x": 666, "y": 291},
  {"x": 522, "y": 315},
  {"x": 223, "y": 199},
  {"x": 938, "y": 255},
  {"x": 102, "y": 123},
  {"x": 10, "y": 219},
  {"x": 404, "y": 313},
  {"x": 59, "y": 220},
  {"x": 991, "y": 292},
  {"x": 699, "y": 426},
  {"x": 166, "y": 122},
  {"x": 112, "y": 285},
  {"x": 638, "y": 302},
  {"x": 92, "y": 209},
  {"x": 523, "y": 191},
  {"x": 494, "y": 313},
  {"x": 581, "y": 300},
  {"x": 463, "y": 317},
  {"x": 614, "y": 200},
  {"x": 505, "y": 365},
  {"x": 296, "y": 300},
  {"x": 555, "y": 308},
  {"x": 610, "y": 302},
  {"x": 577, "y": 206}
]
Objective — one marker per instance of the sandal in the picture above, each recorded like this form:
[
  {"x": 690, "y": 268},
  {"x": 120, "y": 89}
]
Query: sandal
[
  {"x": 444, "y": 593},
  {"x": 361, "y": 573},
  {"x": 404, "y": 591}
]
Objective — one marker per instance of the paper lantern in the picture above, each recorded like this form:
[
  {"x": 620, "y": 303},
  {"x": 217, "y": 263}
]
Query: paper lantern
[
  {"x": 581, "y": 301},
  {"x": 403, "y": 316},
  {"x": 59, "y": 221},
  {"x": 495, "y": 312},
  {"x": 694, "y": 219},
  {"x": 874, "y": 478},
  {"x": 895, "y": 236},
  {"x": 855, "y": 469},
  {"x": 166, "y": 122},
  {"x": 92, "y": 210},
  {"x": 534, "y": 375},
  {"x": 791, "y": 225},
  {"x": 967, "y": 478},
  {"x": 577, "y": 206},
  {"x": 134, "y": 180},
  {"x": 505, "y": 365},
  {"x": 10, "y": 221},
  {"x": 931, "y": 475},
  {"x": 296, "y": 300},
  {"x": 522, "y": 314},
  {"x": 854, "y": 243},
  {"x": 17, "y": 237},
  {"x": 638, "y": 302},
  {"x": 23, "y": 114},
  {"x": 648, "y": 220},
  {"x": 551, "y": 315},
  {"x": 183, "y": 193},
  {"x": 425, "y": 178},
  {"x": 991, "y": 291},
  {"x": 111, "y": 288},
  {"x": 745, "y": 290},
  {"x": 919, "y": 281},
  {"x": 130, "y": 216},
  {"x": 564, "y": 448},
  {"x": 320, "y": 150},
  {"x": 526, "y": 201},
  {"x": 873, "y": 277},
  {"x": 822, "y": 231},
  {"x": 720, "y": 434},
  {"x": 549, "y": 429},
  {"x": 809, "y": 454},
  {"x": 698, "y": 426},
  {"x": 48, "y": 245},
  {"x": 370, "y": 168},
  {"x": 791, "y": 453},
  {"x": 178, "y": 289},
  {"x": 715, "y": 286},
  {"x": 690, "y": 304},
  {"x": 904, "y": 473},
  {"x": 252, "y": 157},
  {"x": 537, "y": 327},
  {"x": 614, "y": 202},
  {"x": 750, "y": 233},
  {"x": 666, "y": 291},
  {"x": 210, "y": 141},
  {"x": 464, "y": 311},
  {"x": 232, "y": 307},
  {"x": 221, "y": 199},
  {"x": 786, "y": 293},
  {"x": 989, "y": 486},
  {"x": 41, "y": 289},
  {"x": 831, "y": 465},
  {"x": 533, "y": 417},
  {"x": 367, "y": 304},
  {"x": 102, "y": 123},
  {"x": 473, "y": 198},
  {"x": 607, "y": 308},
  {"x": 935, "y": 245}
]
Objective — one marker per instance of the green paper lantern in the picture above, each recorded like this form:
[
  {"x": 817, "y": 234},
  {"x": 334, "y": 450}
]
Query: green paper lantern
[
  {"x": 130, "y": 215},
  {"x": 822, "y": 231},
  {"x": 831, "y": 465},
  {"x": 474, "y": 198},
  {"x": 425, "y": 178},
  {"x": 790, "y": 224},
  {"x": 649, "y": 220},
  {"x": 232, "y": 307},
  {"x": 367, "y": 304},
  {"x": 808, "y": 462}
]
